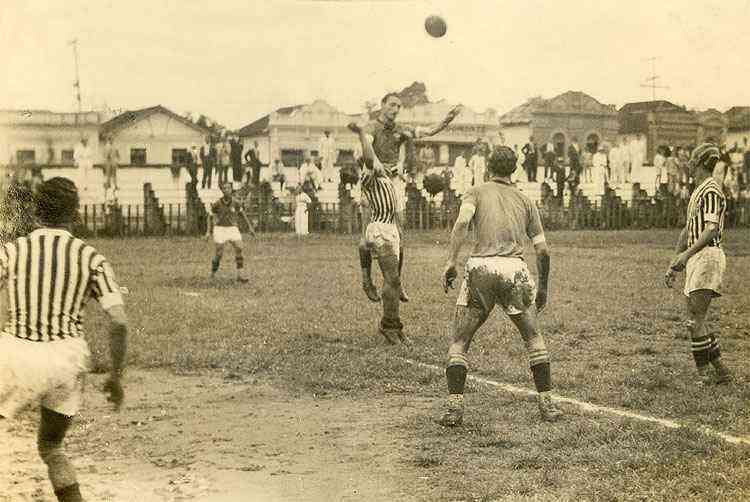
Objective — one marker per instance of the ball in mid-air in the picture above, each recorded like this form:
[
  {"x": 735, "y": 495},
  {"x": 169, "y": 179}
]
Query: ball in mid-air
[{"x": 435, "y": 26}]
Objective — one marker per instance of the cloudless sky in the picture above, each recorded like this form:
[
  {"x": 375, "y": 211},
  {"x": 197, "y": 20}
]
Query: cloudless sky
[{"x": 238, "y": 60}]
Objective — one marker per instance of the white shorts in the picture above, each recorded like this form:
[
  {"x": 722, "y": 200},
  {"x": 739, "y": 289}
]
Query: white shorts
[
  {"x": 47, "y": 373},
  {"x": 497, "y": 280},
  {"x": 224, "y": 234},
  {"x": 383, "y": 239},
  {"x": 705, "y": 270},
  {"x": 399, "y": 187}
]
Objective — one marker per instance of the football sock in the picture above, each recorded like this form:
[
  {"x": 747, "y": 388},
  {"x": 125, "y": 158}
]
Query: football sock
[
  {"x": 455, "y": 373},
  {"x": 701, "y": 348},
  {"x": 714, "y": 351},
  {"x": 70, "y": 493},
  {"x": 542, "y": 376},
  {"x": 365, "y": 261},
  {"x": 215, "y": 263},
  {"x": 240, "y": 261},
  {"x": 400, "y": 259}
]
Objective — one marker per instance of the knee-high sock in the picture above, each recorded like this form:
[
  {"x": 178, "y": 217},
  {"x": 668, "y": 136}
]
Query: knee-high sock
[
  {"x": 215, "y": 263},
  {"x": 455, "y": 373},
  {"x": 400, "y": 259},
  {"x": 239, "y": 260},
  {"x": 365, "y": 262},
  {"x": 539, "y": 362}
]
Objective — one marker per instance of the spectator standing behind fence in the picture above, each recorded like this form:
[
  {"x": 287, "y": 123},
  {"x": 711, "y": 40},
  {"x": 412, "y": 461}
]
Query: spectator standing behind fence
[
  {"x": 111, "y": 163},
  {"x": 659, "y": 169},
  {"x": 252, "y": 158},
  {"x": 587, "y": 161},
  {"x": 277, "y": 173},
  {"x": 746, "y": 162},
  {"x": 548, "y": 153},
  {"x": 574, "y": 156},
  {"x": 302, "y": 202},
  {"x": 222, "y": 155},
  {"x": 560, "y": 178},
  {"x": 193, "y": 163},
  {"x": 235, "y": 155},
  {"x": 461, "y": 175},
  {"x": 599, "y": 170},
  {"x": 310, "y": 179},
  {"x": 83, "y": 158},
  {"x": 327, "y": 151},
  {"x": 478, "y": 167},
  {"x": 206, "y": 163},
  {"x": 615, "y": 163},
  {"x": 672, "y": 168},
  {"x": 531, "y": 161}
]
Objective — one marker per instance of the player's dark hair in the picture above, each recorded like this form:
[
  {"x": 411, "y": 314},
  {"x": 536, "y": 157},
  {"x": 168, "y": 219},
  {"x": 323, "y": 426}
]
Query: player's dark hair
[
  {"x": 502, "y": 161},
  {"x": 385, "y": 98},
  {"x": 57, "y": 202}
]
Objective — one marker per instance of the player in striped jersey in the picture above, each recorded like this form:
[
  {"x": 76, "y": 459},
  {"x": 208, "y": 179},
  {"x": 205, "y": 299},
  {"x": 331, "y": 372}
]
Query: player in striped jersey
[
  {"x": 382, "y": 237},
  {"x": 388, "y": 138},
  {"x": 699, "y": 253},
  {"x": 46, "y": 279}
]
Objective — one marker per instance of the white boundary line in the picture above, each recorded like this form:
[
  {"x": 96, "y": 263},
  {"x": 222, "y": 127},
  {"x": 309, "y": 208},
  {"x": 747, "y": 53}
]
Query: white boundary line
[{"x": 592, "y": 408}]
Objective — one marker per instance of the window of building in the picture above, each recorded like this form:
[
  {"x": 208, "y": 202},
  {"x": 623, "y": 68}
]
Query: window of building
[
  {"x": 25, "y": 157},
  {"x": 66, "y": 157},
  {"x": 292, "y": 158},
  {"x": 179, "y": 156},
  {"x": 137, "y": 156}
]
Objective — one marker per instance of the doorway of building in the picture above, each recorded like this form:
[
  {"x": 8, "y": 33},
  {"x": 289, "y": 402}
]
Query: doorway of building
[
  {"x": 559, "y": 141},
  {"x": 592, "y": 142}
]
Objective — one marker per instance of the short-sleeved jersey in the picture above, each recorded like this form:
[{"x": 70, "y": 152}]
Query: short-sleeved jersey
[
  {"x": 226, "y": 211},
  {"x": 46, "y": 278},
  {"x": 707, "y": 204},
  {"x": 387, "y": 139},
  {"x": 503, "y": 217}
]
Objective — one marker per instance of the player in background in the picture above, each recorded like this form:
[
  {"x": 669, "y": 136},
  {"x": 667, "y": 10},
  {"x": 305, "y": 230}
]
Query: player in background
[
  {"x": 223, "y": 218},
  {"x": 46, "y": 277},
  {"x": 386, "y": 137},
  {"x": 496, "y": 274},
  {"x": 699, "y": 253},
  {"x": 381, "y": 235}
]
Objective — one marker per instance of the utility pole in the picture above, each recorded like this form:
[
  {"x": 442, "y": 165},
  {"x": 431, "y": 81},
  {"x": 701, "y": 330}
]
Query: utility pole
[
  {"x": 651, "y": 81},
  {"x": 77, "y": 83}
]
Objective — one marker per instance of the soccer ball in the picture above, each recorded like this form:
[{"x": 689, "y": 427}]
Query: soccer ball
[{"x": 435, "y": 26}]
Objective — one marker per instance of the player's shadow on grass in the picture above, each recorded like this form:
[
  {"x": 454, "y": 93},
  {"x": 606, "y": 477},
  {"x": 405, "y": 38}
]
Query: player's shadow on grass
[{"x": 187, "y": 284}]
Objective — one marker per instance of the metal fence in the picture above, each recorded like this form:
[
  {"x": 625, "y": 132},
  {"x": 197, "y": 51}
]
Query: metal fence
[{"x": 175, "y": 219}]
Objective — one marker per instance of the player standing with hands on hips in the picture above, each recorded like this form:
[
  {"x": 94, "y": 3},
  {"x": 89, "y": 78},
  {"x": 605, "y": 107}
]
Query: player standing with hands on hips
[
  {"x": 496, "y": 274},
  {"x": 46, "y": 277},
  {"x": 699, "y": 253}
]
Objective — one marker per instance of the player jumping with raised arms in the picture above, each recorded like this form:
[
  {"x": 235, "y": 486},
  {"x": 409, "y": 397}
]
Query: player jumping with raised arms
[{"x": 386, "y": 136}]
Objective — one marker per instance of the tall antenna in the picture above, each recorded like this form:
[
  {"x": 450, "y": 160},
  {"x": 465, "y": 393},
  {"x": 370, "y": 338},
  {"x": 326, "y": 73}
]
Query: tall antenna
[
  {"x": 77, "y": 83},
  {"x": 651, "y": 81}
]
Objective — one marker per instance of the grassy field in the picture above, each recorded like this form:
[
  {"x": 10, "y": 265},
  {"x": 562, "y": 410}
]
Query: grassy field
[{"x": 616, "y": 335}]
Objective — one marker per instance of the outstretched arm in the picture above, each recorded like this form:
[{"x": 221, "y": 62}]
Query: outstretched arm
[
  {"x": 432, "y": 130},
  {"x": 367, "y": 151}
]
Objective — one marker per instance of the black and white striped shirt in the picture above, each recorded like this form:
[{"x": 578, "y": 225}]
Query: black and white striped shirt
[
  {"x": 381, "y": 197},
  {"x": 46, "y": 278},
  {"x": 707, "y": 204}
]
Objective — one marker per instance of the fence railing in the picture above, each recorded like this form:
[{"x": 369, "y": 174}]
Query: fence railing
[{"x": 173, "y": 219}]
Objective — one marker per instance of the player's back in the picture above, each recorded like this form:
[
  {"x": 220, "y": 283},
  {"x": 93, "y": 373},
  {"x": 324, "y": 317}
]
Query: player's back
[
  {"x": 47, "y": 276},
  {"x": 504, "y": 219}
]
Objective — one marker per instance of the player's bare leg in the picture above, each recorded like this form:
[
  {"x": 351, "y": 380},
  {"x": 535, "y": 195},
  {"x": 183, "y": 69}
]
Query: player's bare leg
[
  {"x": 239, "y": 260},
  {"x": 390, "y": 325},
  {"x": 365, "y": 260},
  {"x": 705, "y": 347},
  {"x": 216, "y": 261},
  {"x": 52, "y": 429},
  {"x": 399, "y": 223},
  {"x": 466, "y": 321},
  {"x": 538, "y": 363}
]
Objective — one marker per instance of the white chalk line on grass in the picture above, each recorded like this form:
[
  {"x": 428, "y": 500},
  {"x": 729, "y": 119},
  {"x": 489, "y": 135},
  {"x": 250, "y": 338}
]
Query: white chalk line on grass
[{"x": 590, "y": 407}]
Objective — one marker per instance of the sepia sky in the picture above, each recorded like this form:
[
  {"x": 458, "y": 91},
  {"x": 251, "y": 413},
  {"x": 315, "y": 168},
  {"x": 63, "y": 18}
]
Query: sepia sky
[{"x": 237, "y": 60}]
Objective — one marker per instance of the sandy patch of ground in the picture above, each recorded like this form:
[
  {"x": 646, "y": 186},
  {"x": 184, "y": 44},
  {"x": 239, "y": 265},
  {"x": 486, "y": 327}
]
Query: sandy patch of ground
[{"x": 221, "y": 438}]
